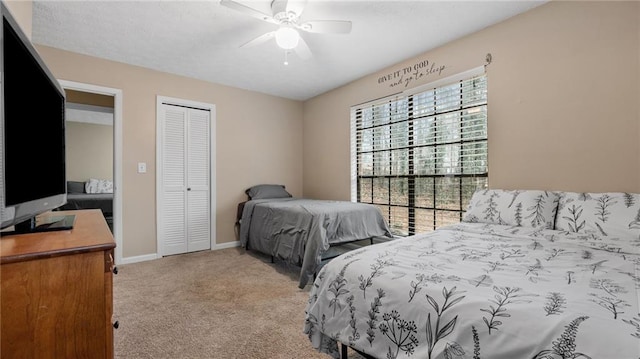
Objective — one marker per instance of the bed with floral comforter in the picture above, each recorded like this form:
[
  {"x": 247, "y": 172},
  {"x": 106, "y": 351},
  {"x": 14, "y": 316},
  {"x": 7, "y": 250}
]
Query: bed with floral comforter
[{"x": 527, "y": 274}]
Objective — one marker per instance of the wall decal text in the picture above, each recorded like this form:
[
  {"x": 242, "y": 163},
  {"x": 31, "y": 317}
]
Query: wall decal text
[{"x": 407, "y": 75}]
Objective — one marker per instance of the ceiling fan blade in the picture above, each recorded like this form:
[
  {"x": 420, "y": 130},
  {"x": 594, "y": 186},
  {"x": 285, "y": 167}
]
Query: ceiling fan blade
[
  {"x": 248, "y": 11},
  {"x": 326, "y": 26},
  {"x": 278, "y": 6},
  {"x": 288, "y": 6},
  {"x": 303, "y": 49},
  {"x": 296, "y": 6},
  {"x": 260, "y": 39}
]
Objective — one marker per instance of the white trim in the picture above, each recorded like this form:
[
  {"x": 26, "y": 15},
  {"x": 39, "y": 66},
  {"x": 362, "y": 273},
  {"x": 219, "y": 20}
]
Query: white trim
[
  {"x": 476, "y": 71},
  {"x": 353, "y": 162},
  {"x": 212, "y": 174},
  {"x": 226, "y": 245},
  {"x": 99, "y": 115},
  {"x": 142, "y": 258},
  {"x": 160, "y": 100},
  {"x": 154, "y": 256},
  {"x": 117, "y": 154}
]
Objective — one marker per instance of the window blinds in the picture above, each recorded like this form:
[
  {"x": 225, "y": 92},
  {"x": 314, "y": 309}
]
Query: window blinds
[{"x": 420, "y": 156}]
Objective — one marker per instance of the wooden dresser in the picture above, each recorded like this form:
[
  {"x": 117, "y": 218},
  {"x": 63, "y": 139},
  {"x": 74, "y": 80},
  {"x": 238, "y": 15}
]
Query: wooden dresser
[{"x": 57, "y": 291}]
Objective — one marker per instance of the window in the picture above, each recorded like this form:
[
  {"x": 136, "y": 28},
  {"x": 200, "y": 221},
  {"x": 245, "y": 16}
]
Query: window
[{"x": 419, "y": 156}]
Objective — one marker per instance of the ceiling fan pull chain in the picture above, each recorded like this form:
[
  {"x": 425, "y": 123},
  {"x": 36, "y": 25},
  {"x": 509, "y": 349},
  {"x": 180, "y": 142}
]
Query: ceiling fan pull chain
[{"x": 286, "y": 60}]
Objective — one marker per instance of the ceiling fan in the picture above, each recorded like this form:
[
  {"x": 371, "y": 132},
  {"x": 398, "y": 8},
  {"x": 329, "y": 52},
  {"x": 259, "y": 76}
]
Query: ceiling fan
[{"x": 286, "y": 14}]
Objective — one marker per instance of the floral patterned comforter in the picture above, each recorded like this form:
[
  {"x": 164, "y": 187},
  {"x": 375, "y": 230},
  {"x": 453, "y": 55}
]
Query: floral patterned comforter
[{"x": 487, "y": 291}]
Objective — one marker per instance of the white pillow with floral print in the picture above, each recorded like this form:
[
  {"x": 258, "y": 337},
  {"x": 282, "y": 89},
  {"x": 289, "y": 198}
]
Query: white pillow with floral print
[
  {"x": 98, "y": 186},
  {"x": 105, "y": 186},
  {"x": 525, "y": 208},
  {"x": 91, "y": 185},
  {"x": 609, "y": 214}
]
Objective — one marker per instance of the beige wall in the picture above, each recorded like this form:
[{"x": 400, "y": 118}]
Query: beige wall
[
  {"x": 21, "y": 11},
  {"x": 88, "y": 98},
  {"x": 563, "y": 114},
  {"x": 258, "y": 139},
  {"x": 89, "y": 151},
  {"x": 563, "y": 103}
]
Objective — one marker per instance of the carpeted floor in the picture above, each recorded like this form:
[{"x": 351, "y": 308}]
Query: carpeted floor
[{"x": 227, "y": 303}]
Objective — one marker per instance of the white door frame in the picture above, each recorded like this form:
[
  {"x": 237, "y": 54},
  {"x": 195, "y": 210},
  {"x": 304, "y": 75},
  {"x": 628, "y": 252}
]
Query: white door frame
[
  {"x": 160, "y": 100},
  {"x": 117, "y": 153}
]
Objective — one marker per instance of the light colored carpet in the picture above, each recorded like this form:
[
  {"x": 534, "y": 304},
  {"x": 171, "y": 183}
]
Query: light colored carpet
[{"x": 227, "y": 303}]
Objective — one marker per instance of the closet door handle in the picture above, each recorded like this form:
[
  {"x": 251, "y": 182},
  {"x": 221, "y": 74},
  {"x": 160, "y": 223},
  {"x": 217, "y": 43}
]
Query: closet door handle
[{"x": 188, "y": 188}]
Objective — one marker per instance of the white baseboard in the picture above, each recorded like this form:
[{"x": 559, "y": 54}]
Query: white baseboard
[
  {"x": 148, "y": 257},
  {"x": 226, "y": 245},
  {"x": 142, "y": 258}
]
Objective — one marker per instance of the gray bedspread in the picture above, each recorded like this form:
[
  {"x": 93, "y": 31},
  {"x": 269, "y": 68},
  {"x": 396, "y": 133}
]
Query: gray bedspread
[
  {"x": 102, "y": 201},
  {"x": 299, "y": 230}
]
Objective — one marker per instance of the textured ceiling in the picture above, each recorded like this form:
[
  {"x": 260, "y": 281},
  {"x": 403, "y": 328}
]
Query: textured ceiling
[{"x": 201, "y": 39}]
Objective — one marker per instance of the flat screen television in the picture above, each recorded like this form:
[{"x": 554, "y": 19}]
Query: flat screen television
[{"x": 32, "y": 131}]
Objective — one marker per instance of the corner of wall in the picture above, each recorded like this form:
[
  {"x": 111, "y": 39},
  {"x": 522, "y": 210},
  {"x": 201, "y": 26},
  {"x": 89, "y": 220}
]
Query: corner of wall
[{"x": 22, "y": 11}]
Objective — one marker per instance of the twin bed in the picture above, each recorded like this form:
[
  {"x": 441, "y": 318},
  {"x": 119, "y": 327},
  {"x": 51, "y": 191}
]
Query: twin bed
[
  {"x": 300, "y": 231},
  {"x": 526, "y": 274},
  {"x": 79, "y": 198}
]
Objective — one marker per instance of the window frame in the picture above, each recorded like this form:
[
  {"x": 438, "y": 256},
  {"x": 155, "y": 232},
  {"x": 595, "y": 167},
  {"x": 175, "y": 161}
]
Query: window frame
[{"x": 410, "y": 118}]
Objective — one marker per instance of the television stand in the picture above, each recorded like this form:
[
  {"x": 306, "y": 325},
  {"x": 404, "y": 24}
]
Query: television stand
[
  {"x": 57, "y": 291},
  {"x": 46, "y": 223}
]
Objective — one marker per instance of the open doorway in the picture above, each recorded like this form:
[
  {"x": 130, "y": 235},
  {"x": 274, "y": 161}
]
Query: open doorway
[
  {"x": 94, "y": 152},
  {"x": 89, "y": 152}
]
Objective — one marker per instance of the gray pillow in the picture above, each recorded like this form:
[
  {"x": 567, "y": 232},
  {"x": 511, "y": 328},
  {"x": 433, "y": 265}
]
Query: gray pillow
[
  {"x": 75, "y": 187},
  {"x": 263, "y": 191}
]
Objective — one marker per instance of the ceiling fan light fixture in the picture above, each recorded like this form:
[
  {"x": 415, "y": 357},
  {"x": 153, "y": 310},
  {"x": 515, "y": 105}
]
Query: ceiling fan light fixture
[{"x": 287, "y": 37}]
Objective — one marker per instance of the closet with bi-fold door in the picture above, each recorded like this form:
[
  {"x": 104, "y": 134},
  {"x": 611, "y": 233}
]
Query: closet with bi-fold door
[{"x": 184, "y": 176}]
